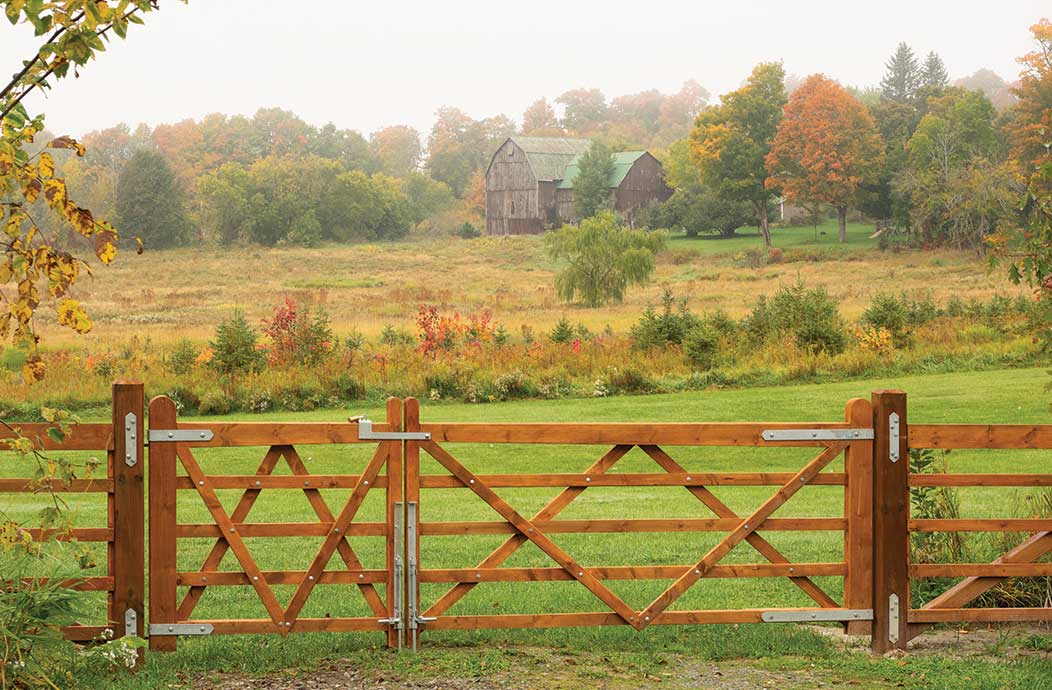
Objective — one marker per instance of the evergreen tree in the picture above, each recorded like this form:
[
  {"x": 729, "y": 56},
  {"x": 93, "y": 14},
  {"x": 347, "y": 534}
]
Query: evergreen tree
[
  {"x": 933, "y": 74},
  {"x": 150, "y": 201},
  {"x": 591, "y": 187},
  {"x": 901, "y": 75}
]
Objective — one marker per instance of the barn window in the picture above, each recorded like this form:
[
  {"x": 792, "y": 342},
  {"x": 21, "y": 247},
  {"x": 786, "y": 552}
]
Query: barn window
[{"x": 511, "y": 152}]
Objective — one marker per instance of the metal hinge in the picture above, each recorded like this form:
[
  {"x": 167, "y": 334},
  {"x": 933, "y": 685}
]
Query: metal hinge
[
  {"x": 131, "y": 623},
  {"x": 817, "y": 435},
  {"x": 893, "y": 436},
  {"x": 416, "y": 621},
  {"x": 893, "y": 617},
  {"x": 131, "y": 448},
  {"x": 818, "y": 616},
  {"x": 180, "y": 629},
  {"x": 395, "y": 621},
  {"x": 180, "y": 435},
  {"x": 366, "y": 433}
]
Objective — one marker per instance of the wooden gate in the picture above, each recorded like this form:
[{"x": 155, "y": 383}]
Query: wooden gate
[
  {"x": 448, "y": 446},
  {"x": 175, "y": 444}
]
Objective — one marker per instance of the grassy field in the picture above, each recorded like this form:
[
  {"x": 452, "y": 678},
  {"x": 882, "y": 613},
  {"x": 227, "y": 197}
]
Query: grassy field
[
  {"x": 1015, "y": 396},
  {"x": 166, "y": 295}
]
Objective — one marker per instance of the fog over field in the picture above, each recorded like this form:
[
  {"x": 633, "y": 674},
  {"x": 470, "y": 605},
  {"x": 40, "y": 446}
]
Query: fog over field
[{"x": 364, "y": 66}]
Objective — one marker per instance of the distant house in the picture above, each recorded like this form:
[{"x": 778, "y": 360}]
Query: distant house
[{"x": 529, "y": 184}]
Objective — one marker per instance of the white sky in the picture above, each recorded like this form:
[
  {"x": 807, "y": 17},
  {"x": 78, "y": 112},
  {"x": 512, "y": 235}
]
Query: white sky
[{"x": 364, "y": 65}]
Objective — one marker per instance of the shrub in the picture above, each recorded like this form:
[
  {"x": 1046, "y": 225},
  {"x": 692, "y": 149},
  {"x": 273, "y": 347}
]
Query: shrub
[
  {"x": 885, "y": 311},
  {"x": 722, "y": 322},
  {"x": 810, "y": 316},
  {"x": 186, "y": 401},
  {"x": 562, "y": 333},
  {"x": 702, "y": 345},
  {"x": 500, "y": 336},
  {"x": 396, "y": 336},
  {"x": 259, "y": 401},
  {"x": 468, "y": 231},
  {"x": 302, "y": 397},
  {"x": 183, "y": 358},
  {"x": 668, "y": 327},
  {"x": 346, "y": 387},
  {"x": 514, "y": 384},
  {"x": 931, "y": 502},
  {"x": 215, "y": 403},
  {"x": 298, "y": 335},
  {"x": 628, "y": 381},
  {"x": 956, "y": 307},
  {"x": 235, "y": 348}
]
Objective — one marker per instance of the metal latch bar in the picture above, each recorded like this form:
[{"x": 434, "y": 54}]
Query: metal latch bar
[
  {"x": 131, "y": 448},
  {"x": 398, "y": 586},
  {"x": 415, "y": 619},
  {"x": 817, "y": 616},
  {"x": 817, "y": 435},
  {"x": 131, "y": 623},
  {"x": 366, "y": 433},
  {"x": 893, "y": 436},
  {"x": 180, "y": 435},
  {"x": 180, "y": 629},
  {"x": 893, "y": 617}
]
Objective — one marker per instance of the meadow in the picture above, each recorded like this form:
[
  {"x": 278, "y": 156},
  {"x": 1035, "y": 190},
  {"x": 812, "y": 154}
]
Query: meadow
[{"x": 1012, "y": 396}]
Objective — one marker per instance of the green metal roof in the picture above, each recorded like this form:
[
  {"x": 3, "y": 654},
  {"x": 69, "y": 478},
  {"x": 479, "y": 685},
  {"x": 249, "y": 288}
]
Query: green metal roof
[
  {"x": 623, "y": 162},
  {"x": 549, "y": 156}
]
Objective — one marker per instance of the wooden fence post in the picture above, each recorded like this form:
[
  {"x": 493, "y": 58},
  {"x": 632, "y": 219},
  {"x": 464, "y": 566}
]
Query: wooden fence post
[
  {"x": 858, "y": 510},
  {"x": 394, "y": 502},
  {"x": 891, "y": 542},
  {"x": 412, "y": 495},
  {"x": 162, "y": 524},
  {"x": 129, "y": 544}
]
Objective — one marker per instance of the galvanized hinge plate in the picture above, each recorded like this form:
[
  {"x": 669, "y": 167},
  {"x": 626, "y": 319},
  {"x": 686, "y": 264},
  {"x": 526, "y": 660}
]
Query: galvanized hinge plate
[
  {"x": 817, "y": 616},
  {"x": 893, "y": 618},
  {"x": 893, "y": 436},
  {"x": 131, "y": 623},
  {"x": 817, "y": 435},
  {"x": 366, "y": 433},
  {"x": 180, "y": 629},
  {"x": 180, "y": 435},
  {"x": 395, "y": 621},
  {"x": 131, "y": 448}
]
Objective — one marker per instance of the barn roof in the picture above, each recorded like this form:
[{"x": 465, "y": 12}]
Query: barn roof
[
  {"x": 549, "y": 156},
  {"x": 623, "y": 162}
]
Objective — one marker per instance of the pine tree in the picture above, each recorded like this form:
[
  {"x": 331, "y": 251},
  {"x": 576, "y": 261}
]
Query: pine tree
[
  {"x": 150, "y": 202},
  {"x": 933, "y": 74},
  {"x": 901, "y": 75},
  {"x": 591, "y": 187}
]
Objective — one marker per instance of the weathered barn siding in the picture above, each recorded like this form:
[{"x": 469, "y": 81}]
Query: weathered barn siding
[
  {"x": 511, "y": 193},
  {"x": 645, "y": 182}
]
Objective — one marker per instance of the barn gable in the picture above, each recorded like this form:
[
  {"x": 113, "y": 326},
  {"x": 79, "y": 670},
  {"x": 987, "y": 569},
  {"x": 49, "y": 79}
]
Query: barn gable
[
  {"x": 623, "y": 162},
  {"x": 546, "y": 156}
]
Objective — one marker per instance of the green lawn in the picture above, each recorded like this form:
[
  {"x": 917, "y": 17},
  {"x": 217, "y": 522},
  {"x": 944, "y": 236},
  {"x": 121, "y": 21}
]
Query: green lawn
[
  {"x": 1012, "y": 396},
  {"x": 825, "y": 238}
]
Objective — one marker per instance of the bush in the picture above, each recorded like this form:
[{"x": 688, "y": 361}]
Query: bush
[
  {"x": 888, "y": 312},
  {"x": 668, "y": 327},
  {"x": 702, "y": 345},
  {"x": 215, "y": 403},
  {"x": 627, "y": 381},
  {"x": 562, "y": 333},
  {"x": 468, "y": 231},
  {"x": 514, "y": 385},
  {"x": 396, "y": 336},
  {"x": 183, "y": 358},
  {"x": 298, "y": 335},
  {"x": 810, "y": 316},
  {"x": 186, "y": 401},
  {"x": 235, "y": 349},
  {"x": 346, "y": 387}
]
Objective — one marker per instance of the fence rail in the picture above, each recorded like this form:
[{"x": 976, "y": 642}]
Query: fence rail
[{"x": 417, "y": 466}]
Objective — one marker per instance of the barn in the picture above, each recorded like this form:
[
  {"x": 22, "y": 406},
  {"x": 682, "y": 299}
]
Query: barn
[{"x": 529, "y": 183}]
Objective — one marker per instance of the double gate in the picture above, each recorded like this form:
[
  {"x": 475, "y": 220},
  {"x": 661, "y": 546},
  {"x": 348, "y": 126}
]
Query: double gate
[{"x": 406, "y": 526}]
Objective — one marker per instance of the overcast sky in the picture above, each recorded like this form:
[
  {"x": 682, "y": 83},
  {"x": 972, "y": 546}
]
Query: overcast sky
[{"x": 367, "y": 65}]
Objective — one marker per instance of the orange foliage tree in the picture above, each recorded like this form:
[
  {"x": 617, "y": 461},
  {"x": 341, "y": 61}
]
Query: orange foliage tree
[{"x": 826, "y": 147}]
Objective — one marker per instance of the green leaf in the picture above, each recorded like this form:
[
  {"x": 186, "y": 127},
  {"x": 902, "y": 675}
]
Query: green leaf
[
  {"x": 56, "y": 434},
  {"x": 14, "y": 9}
]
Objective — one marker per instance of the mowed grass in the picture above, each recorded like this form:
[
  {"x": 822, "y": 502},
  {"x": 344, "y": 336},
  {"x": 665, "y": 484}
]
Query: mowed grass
[
  {"x": 1014, "y": 396},
  {"x": 162, "y": 296}
]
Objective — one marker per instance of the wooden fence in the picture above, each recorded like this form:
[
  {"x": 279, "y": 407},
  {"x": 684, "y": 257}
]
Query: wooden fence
[{"x": 874, "y": 438}]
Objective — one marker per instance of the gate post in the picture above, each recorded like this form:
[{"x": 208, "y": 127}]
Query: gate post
[
  {"x": 858, "y": 510},
  {"x": 162, "y": 524},
  {"x": 412, "y": 505},
  {"x": 891, "y": 502},
  {"x": 395, "y": 523},
  {"x": 127, "y": 551}
]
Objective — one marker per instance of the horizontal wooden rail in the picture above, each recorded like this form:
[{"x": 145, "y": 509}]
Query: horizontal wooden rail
[
  {"x": 630, "y": 479},
  {"x": 948, "y": 479},
  {"x": 281, "y": 577},
  {"x": 281, "y": 434},
  {"x": 713, "y": 434},
  {"x": 102, "y": 485},
  {"x": 1004, "y": 436},
  {"x": 636, "y": 525},
  {"x": 981, "y": 570},
  {"x": 631, "y": 572},
  {"x": 78, "y": 533},
  {"x": 88, "y": 633},
  {"x": 85, "y": 584},
  {"x": 280, "y": 529},
  {"x": 979, "y": 615},
  {"x": 256, "y": 626},
  {"x": 97, "y": 437},
  {"x": 561, "y": 620},
  {"x": 297, "y": 481},
  {"x": 981, "y": 525}
]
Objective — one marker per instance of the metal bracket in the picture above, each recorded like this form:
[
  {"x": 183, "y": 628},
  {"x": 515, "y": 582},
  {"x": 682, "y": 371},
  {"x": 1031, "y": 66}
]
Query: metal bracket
[
  {"x": 180, "y": 629},
  {"x": 893, "y": 436},
  {"x": 180, "y": 435},
  {"x": 893, "y": 617},
  {"x": 131, "y": 623},
  {"x": 817, "y": 435},
  {"x": 416, "y": 621},
  {"x": 820, "y": 615},
  {"x": 366, "y": 433},
  {"x": 131, "y": 448},
  {"x": 395, "y": 621}
]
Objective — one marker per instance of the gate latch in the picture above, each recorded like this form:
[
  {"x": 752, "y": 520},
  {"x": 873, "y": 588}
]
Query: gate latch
[{"x": 366, "y": 433}]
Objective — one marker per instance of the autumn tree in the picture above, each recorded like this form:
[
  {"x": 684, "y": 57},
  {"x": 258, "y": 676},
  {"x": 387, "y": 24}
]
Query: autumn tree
[
  {"x": 459, "y": 146},
  {"x": 150, "y": 203},
  {"x": 901, "y": 75},
  {"x": 882, "y": 198},
  {"x": 991, "y": 84},
  {"x": 1031, "y": 119},
  {"x": 827, "y": 146},
  {"x": 730, "y": 142},
  {"x": 591, "y": 186},
  {"x": 601, "y": 258},
  {"x": 397, "y": 149},
  {"x": 540, "y": 119},
  {"x": 584, "y": 110}
]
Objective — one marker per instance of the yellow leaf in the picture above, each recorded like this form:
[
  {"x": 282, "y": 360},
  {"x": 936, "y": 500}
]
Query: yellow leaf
[
  {"x": 71, "y": 314},
  {"x": 33, "y": 369},
  {"x": 31, "y": 190},
  {"x": 106, "y": 246},
  {"x": 55, "y": 193},
  {"x": 47, "y": 165}
]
